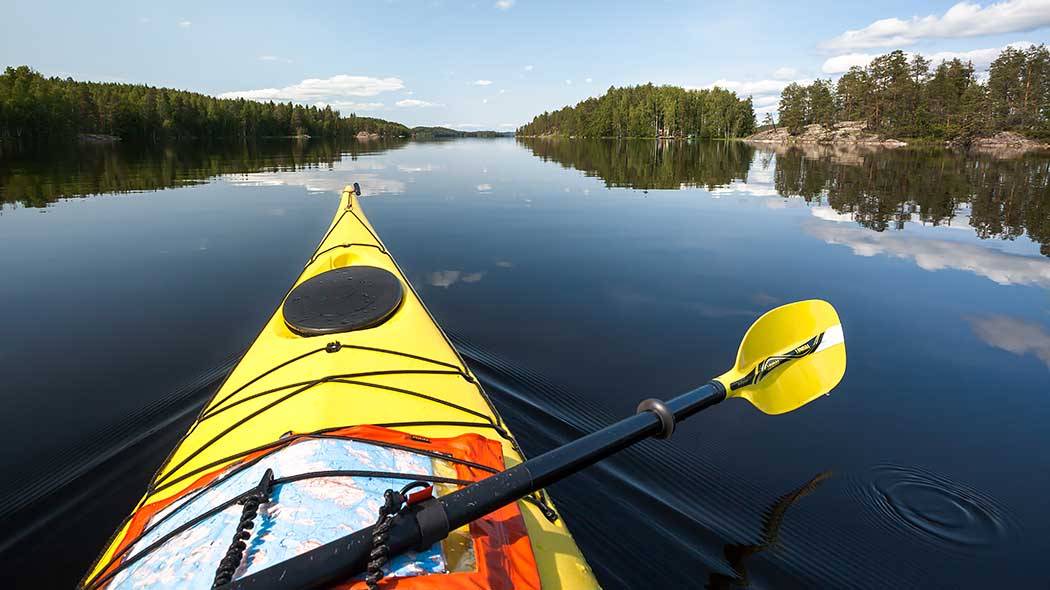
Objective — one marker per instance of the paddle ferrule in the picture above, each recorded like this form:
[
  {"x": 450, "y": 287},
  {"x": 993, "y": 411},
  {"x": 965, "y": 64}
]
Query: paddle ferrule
[{"x": 685, "y": 405}]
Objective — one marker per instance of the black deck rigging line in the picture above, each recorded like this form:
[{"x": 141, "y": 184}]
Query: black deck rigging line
[
  {"x": 271, "y": 405},
  {"x": 499, "y": 429},
  {"x": 343, "y": 380},
  {"x": 363, "y": 224},
  {"x": 330, "y": 230},
  {"x": 212, "y": 405},
  {"x": 318, "y": 255},
  {"x": 336, "y": 346},
  {"x": 325, "y": 379},
  {"x": 459, "y": 369},
  {"x": 98, "y": 580}
]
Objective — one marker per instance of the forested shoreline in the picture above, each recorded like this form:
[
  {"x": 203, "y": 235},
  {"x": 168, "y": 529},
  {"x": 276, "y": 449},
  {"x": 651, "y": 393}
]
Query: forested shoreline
[
  {"x": 907, "y": 97},
  {"x": 40, "y": 109},
  {"x": 650, "y": 111}
]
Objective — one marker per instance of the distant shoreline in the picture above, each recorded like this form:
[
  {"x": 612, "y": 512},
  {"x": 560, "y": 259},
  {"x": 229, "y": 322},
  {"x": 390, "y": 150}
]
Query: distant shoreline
[{"x": 655, "y": 137}]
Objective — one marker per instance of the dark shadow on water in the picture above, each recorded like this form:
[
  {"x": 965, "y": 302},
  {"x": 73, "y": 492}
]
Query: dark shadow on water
[{"x": 737, "y": 555}]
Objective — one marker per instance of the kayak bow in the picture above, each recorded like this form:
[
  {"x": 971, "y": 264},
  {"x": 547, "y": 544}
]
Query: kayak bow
[{"x": 307, "y": 375}]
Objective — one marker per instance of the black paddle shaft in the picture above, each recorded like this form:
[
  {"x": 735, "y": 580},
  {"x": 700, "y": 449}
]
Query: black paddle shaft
[{"x": 347, "y": 557}]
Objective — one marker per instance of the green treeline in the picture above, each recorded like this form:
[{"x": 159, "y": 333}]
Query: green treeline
[
  {"x": 903, "y": 97},
  {"x": 36, "y": 108},
  {"x": 445, "y": 133},
  {"x": 650, "y": 111}
]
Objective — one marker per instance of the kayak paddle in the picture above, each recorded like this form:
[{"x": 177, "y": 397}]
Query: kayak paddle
[{"x": 789, "y": 357}]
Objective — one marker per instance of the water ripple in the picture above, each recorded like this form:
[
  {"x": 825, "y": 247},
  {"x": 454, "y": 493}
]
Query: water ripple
[{"x": 933, "y": 508}]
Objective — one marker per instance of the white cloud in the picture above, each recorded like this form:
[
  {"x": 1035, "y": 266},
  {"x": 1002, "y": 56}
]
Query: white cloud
[
  {"x": 935, "y": 254},
  {"x": 412, "y": 102},
  {"x": 765, "y": 94},
  {"x": 568, "y": 82},
  {"x": 275, "y": 58},
  {"x": 965, "y": 19},
  {"x": 484, "y": 101},
  {"x": 842, "y": 63},
  {"x": 481, "y": 83},
  {"x": 504, "y": 4},
  {"x": 981, "y": 58},
  {"x": 1014, "y": 335},
  {"x": 529, "y": 68},
  {"x": 588, "y": 80},
  {"x": 785, "y": 73},
  {"x": 329, "y": 91},
  {"x": 484, "y": 188},
  {"x": 185, "y": 24},
  {"x": 765, "y": 101},
  {"x": 349, "y": 106},
  {"x": 502, "y": 90},
  {"x": 754, "y": 87}
]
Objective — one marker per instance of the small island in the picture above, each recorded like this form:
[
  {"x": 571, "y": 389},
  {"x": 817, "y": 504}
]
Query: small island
[
  {"x": 897, "y": 100},
  {"x": 649, "y": 111}
]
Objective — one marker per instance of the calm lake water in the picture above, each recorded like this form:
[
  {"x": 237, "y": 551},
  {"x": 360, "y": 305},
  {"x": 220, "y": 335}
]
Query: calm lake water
[{"x": 577, "y": 277}]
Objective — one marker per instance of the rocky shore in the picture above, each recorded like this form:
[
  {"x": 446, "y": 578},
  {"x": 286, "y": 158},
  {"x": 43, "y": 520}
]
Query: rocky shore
[
  {"x": 855, "y": 133},
  {"x": 844, "y": 132},
  {"x": 1004, "y": 140}
]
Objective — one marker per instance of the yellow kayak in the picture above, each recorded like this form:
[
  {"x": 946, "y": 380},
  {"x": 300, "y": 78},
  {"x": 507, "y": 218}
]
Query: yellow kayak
[{"x": 351, "y": 388}]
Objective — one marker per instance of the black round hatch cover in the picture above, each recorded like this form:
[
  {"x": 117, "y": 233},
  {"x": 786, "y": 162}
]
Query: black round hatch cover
[{"x": 341, "y": 300}]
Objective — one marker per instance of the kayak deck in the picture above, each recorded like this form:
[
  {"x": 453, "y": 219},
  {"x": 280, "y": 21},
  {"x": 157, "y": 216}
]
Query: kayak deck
[{"x": 401, "y": 374}]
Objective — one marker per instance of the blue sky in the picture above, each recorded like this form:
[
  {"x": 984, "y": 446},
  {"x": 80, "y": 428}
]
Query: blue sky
[{"x": 492, "y": 64}]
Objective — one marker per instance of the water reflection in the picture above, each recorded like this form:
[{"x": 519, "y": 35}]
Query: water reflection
[
  {"x": 447, "y": 278},
  {"x": 649, "y": 164},
  {"x": 932, "y": 254},
  {"x": 880, "y": 189},
  {"x": 1014, "y": 335},
  {"x": 34, "y": 179}
]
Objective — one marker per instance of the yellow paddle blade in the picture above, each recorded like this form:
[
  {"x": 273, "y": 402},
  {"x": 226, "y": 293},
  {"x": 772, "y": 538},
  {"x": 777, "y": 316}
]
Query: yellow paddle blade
[{"x": 790, "y": 356}]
